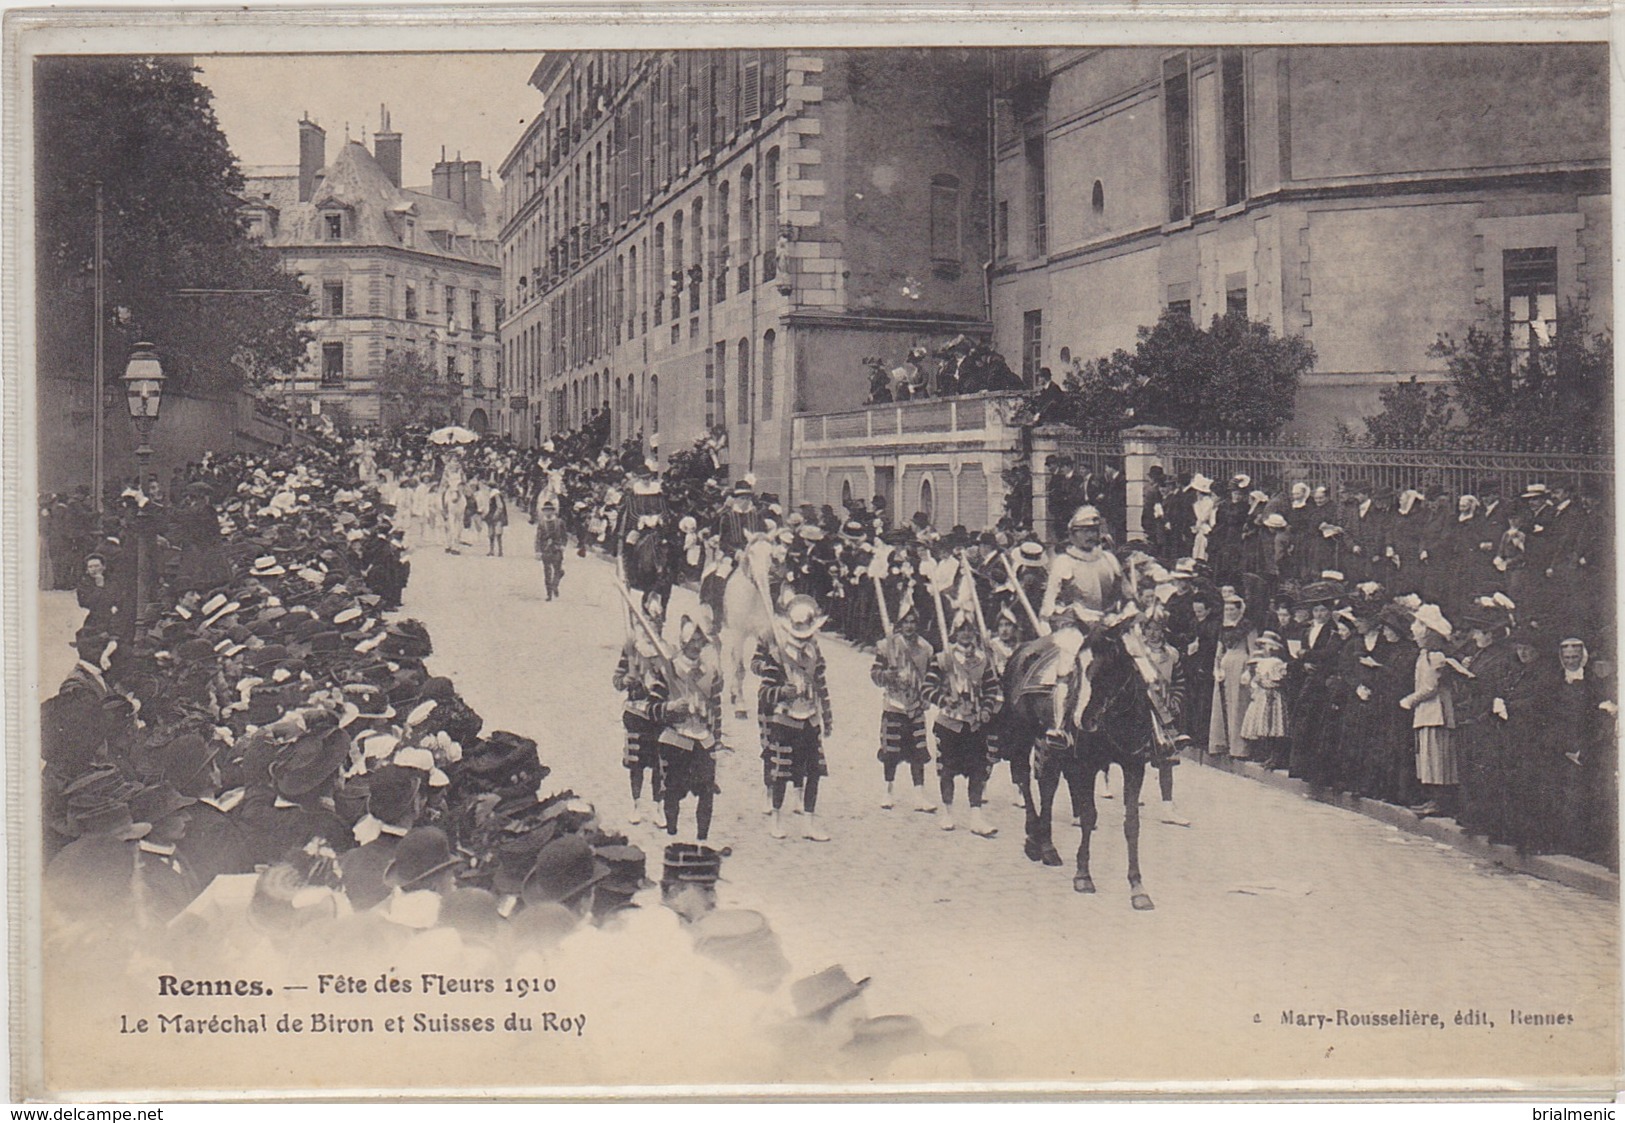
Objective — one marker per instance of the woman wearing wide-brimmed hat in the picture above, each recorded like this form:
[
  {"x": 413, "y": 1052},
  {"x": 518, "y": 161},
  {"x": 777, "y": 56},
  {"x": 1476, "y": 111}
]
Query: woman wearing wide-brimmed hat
[{"x": 1433, "y": 713}]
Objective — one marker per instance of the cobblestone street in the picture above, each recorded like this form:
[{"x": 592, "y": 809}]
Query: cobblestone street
[{"x": 1269, "y": 903}]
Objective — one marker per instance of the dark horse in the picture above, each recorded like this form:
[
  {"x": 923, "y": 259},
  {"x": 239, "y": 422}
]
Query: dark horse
[{"x": 1115, "y": 728}]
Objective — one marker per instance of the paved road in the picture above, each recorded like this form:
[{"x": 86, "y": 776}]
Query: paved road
[{"x": 1269, "y": 903}]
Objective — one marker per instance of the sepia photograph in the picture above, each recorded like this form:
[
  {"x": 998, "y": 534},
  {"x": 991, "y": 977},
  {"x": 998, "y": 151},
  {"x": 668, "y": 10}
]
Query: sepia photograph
[{"x": 1046, "y": 561}]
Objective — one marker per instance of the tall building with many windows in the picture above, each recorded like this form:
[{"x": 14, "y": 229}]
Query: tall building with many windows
[
  {"x": 705, "y": 241},
  {"x": 1368, "y": 198},
  {"x": 390, "y": 269}
]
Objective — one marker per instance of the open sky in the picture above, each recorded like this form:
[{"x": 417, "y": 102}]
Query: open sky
[{"x": 476, "y": 104}]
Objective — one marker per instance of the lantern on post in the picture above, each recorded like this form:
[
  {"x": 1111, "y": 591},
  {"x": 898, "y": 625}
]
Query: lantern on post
[{"x": 144, "y": 392}]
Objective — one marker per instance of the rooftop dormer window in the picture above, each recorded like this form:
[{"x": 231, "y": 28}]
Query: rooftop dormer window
[{"x": 332, "y": 226}]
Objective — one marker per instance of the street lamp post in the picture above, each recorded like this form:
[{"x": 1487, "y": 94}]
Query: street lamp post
[{"x": 143, "y": 390}]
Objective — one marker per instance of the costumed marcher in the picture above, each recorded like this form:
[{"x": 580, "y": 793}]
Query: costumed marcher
[
  {"x": 794, "y": 691},
  {"x": 641, "y": 678},
  {"x": 496, "y": 521},
  {"x": 1001, "y": 645},
  {"x": 692, "y": 733},
  {"x": 551, "y": 538},
  {"x": 964, "y": 687},
  {"x": 1084, "y": 573},
  {"x": 902, "y": 661},
  {"x": 1171, "y": 698}
]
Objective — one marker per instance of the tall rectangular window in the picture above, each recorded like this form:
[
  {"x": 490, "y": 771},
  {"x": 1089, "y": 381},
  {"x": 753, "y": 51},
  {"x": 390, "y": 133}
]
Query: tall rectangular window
[
  {"x": 744, "y": 382},
  {"x": 451, "y": 308},
  {"x": 411, "y": 301},
  {"x": 333, "y": 298},
  {"x": 1002, "y": 230},
  {"x": 1037, "y": 202},
  {"x": 1032, "y": 344},
  {"x": 1235, "y": 301},
  {"x": 721, "y": 350},
  {"x": 1529, "y": 281},
  {"x": 1176, "y": 123},
  {"x": 332, "y": 364},
  {"x": 476, "y": 322},
  {"x": 945, "y": 234},
  {"x": 769, "y": 343},
  {"x": 750, "y": 87},
  {"x": 389, "y": 295},
  {"x": 1233, "y": 99}
]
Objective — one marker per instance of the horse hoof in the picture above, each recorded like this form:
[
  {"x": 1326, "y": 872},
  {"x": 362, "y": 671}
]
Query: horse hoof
[
  {"x": 1142, "y": 902},
  {"x": 1050, "y": 856},
  {"x": 1034, "y": 852},
  {"x": 1083, "y": 884}
]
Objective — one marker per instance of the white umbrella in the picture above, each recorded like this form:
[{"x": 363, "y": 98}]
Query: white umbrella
[{"x": 453, "y": 435}]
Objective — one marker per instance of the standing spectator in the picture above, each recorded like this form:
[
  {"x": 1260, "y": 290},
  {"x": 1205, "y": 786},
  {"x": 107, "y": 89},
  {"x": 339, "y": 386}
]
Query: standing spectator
[
  {"x": 1200, "y": 654},
  {"x": 1264, "y": 726},
  {"x": 1230, "y": 688},
  {"x": 1433, "y": 713},
  {"x": 97, "y": 596}
]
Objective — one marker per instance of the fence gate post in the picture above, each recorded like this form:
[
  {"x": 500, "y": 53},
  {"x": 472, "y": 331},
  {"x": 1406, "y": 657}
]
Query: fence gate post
[
  {"x": 1142, "y": 447},
  {"x": 1045, "y": 445}
]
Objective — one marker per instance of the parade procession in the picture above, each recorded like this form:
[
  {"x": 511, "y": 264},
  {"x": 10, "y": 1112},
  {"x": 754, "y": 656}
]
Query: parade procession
[{"x": 668, "y": 579}]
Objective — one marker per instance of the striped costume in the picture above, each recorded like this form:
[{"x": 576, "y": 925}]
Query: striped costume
[
  {"x": 794, "y": 696},
  {"x": 638, "y": 677},
  {"x": 899, "y": 669},
  {"x": 965, "y": 689}
]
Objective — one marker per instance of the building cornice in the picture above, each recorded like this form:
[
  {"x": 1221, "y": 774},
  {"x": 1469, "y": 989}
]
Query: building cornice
[{"x": 319, "y": 249}]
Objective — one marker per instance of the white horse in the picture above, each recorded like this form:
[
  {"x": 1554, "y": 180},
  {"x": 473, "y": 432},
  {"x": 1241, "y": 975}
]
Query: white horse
[{"x": 747, "y": 618}]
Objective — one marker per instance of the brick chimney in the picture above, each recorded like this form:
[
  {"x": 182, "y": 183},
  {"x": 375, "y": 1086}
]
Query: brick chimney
[
  {"x": 312, "y": 156},
  {"x": 473, "y": 190},
  {"x": 386, "y": 148},
  {"x": 441, "y": 188}
]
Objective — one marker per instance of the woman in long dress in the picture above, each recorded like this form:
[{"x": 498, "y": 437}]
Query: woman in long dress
[
  {"x": 1433, "y": 713},
  {"x": 1230, "y": 692}
]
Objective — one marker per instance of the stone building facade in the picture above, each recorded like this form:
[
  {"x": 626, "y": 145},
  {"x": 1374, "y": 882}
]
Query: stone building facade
[
  {"x": 389, "y": 268},
  {"x": 1368, "y": 198},
  {"x": 715, "y": 241}
]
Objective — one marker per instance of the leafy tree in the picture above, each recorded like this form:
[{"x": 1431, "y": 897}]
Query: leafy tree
[
  {"x": 1234, "y": 375},
  {"x": 410, "y": 393},
  {"x": 1558, "y": 390},
  {"x": 171, "y": 186},
  {"x": 1412, "y": 416}
]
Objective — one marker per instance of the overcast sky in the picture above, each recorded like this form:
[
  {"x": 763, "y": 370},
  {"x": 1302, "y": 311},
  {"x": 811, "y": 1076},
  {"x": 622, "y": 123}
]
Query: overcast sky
[{"x": 478, "y": 104}]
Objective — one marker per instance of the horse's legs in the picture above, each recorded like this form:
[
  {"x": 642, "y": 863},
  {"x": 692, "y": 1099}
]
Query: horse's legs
[
  {"x": 1080, "y": 781},
  {"x": 1133, "y": 778},
  {"x": 1039, "y": 830}
]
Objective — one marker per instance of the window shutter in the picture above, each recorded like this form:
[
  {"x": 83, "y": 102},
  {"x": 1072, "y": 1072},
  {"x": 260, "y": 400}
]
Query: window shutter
[
  {"x": 750, "y": 91},
  {"x": 772, "y": 80}
]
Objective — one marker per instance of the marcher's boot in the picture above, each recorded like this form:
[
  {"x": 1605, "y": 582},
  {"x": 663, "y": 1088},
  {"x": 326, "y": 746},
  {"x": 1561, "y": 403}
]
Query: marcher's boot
[
  {"x": 1171, "y": 815},
  {"x": 776, "y": 824},
  {"x": 814, "y": 830},
  {"x": 947, "y": 823},
  {"x": 922, "y": 802},
  {"x": 887, "y": 803},
  {"x": 767, "y": 801},
  {"x": 980, "y": 825},
  {"x": 637, "y": 811}
]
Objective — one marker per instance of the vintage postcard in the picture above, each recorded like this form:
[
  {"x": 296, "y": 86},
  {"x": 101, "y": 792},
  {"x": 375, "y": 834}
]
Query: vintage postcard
[{"x": 565, "y": 553}]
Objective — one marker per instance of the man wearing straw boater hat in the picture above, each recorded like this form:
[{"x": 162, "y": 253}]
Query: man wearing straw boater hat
[{"x": 794, "y": 692}]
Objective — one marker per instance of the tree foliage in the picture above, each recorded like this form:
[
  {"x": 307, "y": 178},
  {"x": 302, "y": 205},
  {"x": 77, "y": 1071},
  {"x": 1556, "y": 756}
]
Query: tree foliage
[
  {"x": 145, "y": 128},
  {"x": 1234, "y": 375},
  {"x": 1558, "y": 392},
  {"x": 411, "y": 393}
]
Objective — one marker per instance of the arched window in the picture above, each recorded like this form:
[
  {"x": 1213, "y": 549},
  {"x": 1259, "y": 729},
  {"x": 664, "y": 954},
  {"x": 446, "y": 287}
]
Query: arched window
[
  {"x": 747, "y": 225},
  {"x": 694, "y": 282},
  {"x": 724, "y": 236},
  {"x": 846, "y": 493},
  {"x": 927, "y": 499},
  {"x": 769, "y": 341},
  {"x": 654, "y": 403},
  {"x": 1097, "y": 198},
  {"x": 744, "y": 382},
  {"x": 631, "y": 291},
  {"x": 678, "y": 263},
  {"x": 618, "y": 425},
  {"x": 658, "y": 284}
]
